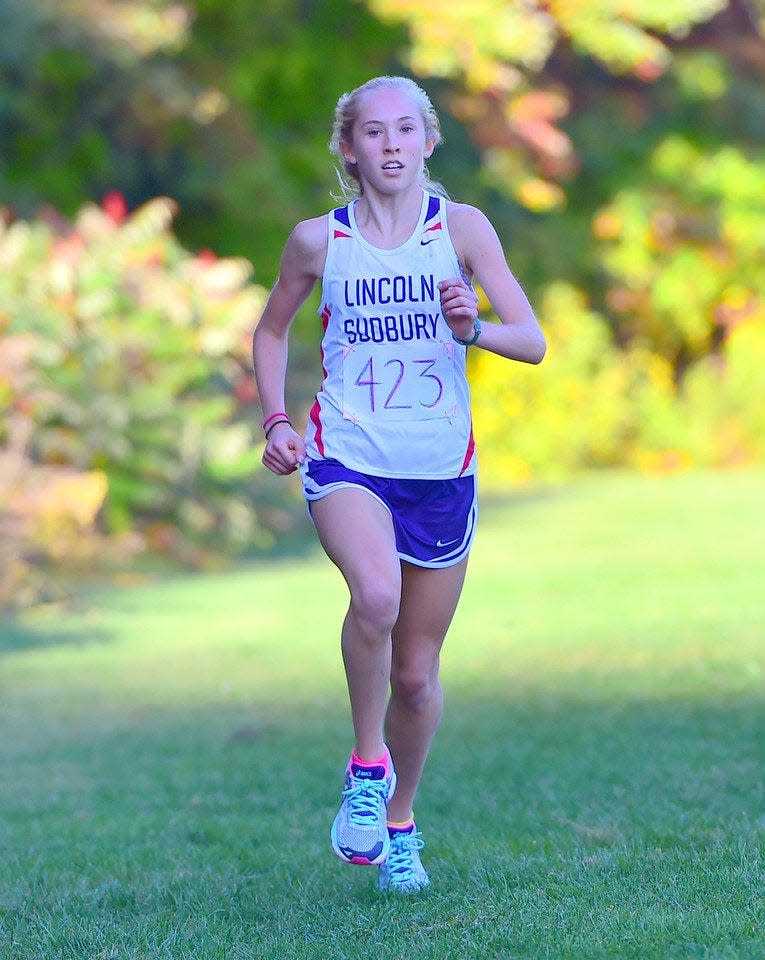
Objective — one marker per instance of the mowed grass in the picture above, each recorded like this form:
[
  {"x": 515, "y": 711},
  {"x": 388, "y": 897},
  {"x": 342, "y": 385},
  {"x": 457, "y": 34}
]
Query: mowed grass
[{"x": 172, "y": 752}]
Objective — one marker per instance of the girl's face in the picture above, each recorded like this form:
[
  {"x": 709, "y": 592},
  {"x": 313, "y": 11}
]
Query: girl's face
[{"x": 388, "y": 142}]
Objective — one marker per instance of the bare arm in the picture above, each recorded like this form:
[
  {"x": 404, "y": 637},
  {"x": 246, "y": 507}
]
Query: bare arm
[
  {"x": 518, "y": 335},
  {"x": 301, "y": 265}
]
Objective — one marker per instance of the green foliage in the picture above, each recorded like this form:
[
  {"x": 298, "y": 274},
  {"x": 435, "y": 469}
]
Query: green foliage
[
  {"x": 224, "y": 106},
  {"x": 132, "y": 364},
  {"x": 679, "y": 246},
  {"x": 91, "y": 101}
]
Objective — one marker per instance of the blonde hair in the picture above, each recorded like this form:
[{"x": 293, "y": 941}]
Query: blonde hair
[{"x": 346, "y": 114}]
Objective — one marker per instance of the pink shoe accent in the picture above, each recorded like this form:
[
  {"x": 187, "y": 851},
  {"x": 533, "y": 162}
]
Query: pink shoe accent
[
  {"x": 383, "y": 761},
  {"x": 403, "y": 826}
]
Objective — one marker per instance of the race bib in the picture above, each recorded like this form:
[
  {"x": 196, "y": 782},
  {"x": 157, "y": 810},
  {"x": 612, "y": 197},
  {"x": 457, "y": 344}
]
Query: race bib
[{"x": 389, "y": 384}]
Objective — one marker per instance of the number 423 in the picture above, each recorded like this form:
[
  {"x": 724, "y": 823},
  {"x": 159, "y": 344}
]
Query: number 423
[{"x": 400, "y": 381}]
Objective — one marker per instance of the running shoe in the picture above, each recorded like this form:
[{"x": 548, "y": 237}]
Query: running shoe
[
  {"x": 360, "y": 832},
  {"x": 403, "y": 870}
]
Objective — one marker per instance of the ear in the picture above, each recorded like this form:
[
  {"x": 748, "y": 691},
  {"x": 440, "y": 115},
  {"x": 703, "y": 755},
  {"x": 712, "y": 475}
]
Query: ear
[
  {"x": 430, "y": 146},
  {"x": 347, "y": 151}
]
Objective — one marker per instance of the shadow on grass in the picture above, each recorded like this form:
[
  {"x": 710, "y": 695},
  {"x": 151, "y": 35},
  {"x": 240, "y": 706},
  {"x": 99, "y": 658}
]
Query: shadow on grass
[
  {"x": 16, "y": 636},
  {"x": 38, "y": 626}
]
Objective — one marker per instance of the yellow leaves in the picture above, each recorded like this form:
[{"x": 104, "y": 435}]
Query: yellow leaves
[
  {"x": 702, "y": 74},
  {"x": 591, "y": 403},
  {"x": 724, "y": 398},
  {"x": 70, "y": 501},
  {"x": 607, "y": 224},
  {"x": 208, "y": 106},
  {"x": 738, "y": 306},
  {"x": 656, "y": 462},
  {"x": 135, "y": 27},
  {"x": 540, "y": 196},
  {"x": 567, "y": 412},
  {"x": 48, "y": 513},
  {"x": 471, "y": 37}
]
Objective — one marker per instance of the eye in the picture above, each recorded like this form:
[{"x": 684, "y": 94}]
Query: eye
[{"x": 407, "y": 128}]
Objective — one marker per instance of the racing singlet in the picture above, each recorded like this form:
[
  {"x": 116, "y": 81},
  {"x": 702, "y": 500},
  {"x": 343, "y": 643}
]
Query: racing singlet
[{"x": 394, "y": 401}]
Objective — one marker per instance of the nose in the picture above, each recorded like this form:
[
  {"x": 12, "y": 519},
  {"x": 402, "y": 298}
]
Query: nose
[{"x": 391, "y": 142}]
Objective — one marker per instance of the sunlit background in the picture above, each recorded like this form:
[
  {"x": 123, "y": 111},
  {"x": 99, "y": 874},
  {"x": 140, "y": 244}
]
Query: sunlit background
[{"x": 156, "y": 154}]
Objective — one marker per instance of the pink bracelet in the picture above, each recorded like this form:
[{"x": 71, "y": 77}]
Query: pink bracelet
[
  {"x": 276, "y": 424},
  {"x": 273, "y": 416}
]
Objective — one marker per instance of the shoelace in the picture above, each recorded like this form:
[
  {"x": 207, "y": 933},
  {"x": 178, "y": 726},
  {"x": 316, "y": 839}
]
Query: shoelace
[
  {"x": 400, "y": 859},
  {"x": 364, "y": 800}
]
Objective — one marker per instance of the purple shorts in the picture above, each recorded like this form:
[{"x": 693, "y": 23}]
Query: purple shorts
[{"x": 434, "y": 520}]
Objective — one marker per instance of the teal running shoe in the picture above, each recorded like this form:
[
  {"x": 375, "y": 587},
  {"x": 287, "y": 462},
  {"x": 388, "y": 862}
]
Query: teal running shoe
[
  {"x": 403, "y": 870},
  {"x": 360, "y": 833}
]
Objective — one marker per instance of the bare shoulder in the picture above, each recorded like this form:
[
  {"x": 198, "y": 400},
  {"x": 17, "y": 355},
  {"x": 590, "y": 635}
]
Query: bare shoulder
[
  {"x": 310, "y": 235},
  {"x": 472, "y": 233},
  {"x": 467, "y": 221},
  {"x": 306, "y": 247}
]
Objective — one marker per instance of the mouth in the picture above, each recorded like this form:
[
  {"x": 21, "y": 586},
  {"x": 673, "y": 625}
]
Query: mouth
[{"x": 393, "y": 165}]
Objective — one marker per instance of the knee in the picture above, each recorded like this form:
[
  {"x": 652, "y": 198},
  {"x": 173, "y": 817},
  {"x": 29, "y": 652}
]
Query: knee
[
  {"x": 375, "y": 606},
  {"x": 415, "y": 687}
]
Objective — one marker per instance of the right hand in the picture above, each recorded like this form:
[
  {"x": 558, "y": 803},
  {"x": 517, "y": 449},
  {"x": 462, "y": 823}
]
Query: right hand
[
  {"x": 284, "y": 450},
  {"x": 459, "y": 306}
]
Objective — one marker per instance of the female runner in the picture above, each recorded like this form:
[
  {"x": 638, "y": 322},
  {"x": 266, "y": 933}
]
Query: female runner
[{"x": 387, "y": 461}]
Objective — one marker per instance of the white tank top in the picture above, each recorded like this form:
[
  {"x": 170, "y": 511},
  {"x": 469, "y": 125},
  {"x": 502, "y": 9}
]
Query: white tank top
[{"x": 394, "y": 401}]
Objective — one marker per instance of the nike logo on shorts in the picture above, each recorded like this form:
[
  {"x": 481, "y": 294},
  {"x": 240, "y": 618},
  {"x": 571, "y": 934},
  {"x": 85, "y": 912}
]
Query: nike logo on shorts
[{"x": 445, "y": 543}]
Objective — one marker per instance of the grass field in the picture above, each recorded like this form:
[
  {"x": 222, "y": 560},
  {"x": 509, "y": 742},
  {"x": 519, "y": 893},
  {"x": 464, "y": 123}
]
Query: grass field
[{"x": 171, "y": 753}]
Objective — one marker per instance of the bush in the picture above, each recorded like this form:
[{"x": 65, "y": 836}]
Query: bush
[
  {"x": 594, "y": 404},
  {"x": 126, "y": 396},
  {"x": 548, "y": 421}
]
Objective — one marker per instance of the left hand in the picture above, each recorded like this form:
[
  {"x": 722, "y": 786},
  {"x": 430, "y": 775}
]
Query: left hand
[{"x": 459, "y": 305}]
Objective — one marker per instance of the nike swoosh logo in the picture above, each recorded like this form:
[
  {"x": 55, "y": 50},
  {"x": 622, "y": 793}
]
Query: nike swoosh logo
[
  {"x": 424, "y": 243},
  {"x": 445, "y": 543}
]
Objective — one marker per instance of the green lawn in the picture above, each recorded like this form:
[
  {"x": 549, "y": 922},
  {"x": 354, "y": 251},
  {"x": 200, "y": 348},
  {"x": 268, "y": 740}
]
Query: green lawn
[{"x": 172, "y": 752}]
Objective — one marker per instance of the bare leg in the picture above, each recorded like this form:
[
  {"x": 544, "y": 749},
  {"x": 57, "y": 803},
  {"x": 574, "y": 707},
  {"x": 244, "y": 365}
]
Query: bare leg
[
  {"x": 356, "y": 531},
  {"x": 428, "y": 601}
]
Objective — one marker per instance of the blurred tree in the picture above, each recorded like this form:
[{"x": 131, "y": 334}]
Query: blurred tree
[
  {"x": 93, "y": 100},
  {"x": 224, "y": 106},
  {"x": 634, "y": 137},
  {"x": 280, "y": 65},
  {"x": 512, "y": 62}
]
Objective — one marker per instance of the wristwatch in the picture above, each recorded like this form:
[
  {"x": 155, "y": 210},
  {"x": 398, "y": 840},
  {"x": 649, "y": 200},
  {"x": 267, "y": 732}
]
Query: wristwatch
[{"x": 476, "y": 334}]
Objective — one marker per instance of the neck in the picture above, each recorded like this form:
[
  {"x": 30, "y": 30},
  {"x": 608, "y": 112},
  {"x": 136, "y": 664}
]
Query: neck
[{"x": 388, "y": 218}]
